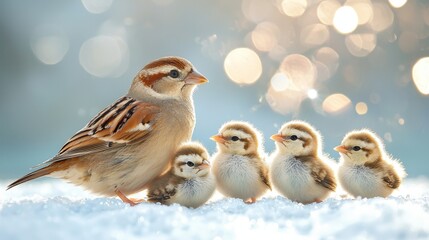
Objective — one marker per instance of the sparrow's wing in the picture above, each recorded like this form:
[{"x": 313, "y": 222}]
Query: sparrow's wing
[
  {"x": 124, "y": 122},
  {"x": 324, "y": 176}
]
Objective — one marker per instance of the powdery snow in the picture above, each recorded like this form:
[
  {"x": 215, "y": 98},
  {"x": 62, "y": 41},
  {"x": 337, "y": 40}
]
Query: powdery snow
[{"x": 57, "y": 210}]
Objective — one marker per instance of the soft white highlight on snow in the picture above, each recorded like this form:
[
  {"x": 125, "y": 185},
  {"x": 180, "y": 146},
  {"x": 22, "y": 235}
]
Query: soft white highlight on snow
[{"x": 56, "y": 210}]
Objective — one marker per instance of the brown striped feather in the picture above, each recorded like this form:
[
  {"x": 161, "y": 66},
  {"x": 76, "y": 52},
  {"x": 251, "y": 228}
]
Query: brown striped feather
[
  {"x": 325, "y": 177},
  {"x": 263, "y": 173},
  {"x": 58, "y": 166},
  {"x": 391, "y": 179},
  {"x": 320, "y": 172},
  {"x": 109, "y": 109},
  {"x": 101, "y": 135}
]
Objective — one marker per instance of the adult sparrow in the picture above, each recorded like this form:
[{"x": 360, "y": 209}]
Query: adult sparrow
[{"x": 130, "y": 142}]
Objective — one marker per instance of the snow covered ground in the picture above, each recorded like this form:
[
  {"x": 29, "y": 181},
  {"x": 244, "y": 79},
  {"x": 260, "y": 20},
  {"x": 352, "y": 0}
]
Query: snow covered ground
[{"x": 57, "y": 210}]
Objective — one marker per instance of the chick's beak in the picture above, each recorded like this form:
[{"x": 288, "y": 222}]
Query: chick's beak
[
  {"x": 195, "y": 78},
  {"x": 277, "y": 138},
  {"x": 341, "y": 149},
  {"x": 218, "y": 139},
  {"x": 204, "y": 165}
]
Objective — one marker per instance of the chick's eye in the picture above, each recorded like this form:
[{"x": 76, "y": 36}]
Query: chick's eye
[
  {"x": 356, "y": 148},
  {"x": 234, "y": 138},
  {"x": 293, "y": 137},
  {"x": 190, "y": 164},
  {"x": 174, "y": 73}
]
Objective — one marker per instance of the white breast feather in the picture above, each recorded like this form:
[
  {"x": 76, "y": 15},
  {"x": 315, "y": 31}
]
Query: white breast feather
[{"x": 237, "y": 177}]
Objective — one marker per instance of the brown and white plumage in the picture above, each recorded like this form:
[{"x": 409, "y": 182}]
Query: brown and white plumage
[
  {"x": 239, "y": 164},
  {"x": 365, "y": 168},
  {"x": 118, "y": 152},
  {"x": 299, "y": 170},
  {"x": 189, "y": 182}
]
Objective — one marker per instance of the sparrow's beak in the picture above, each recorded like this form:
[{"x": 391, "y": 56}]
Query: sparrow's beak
[
  {"x": 341, "y": 149},
  {"x": 218, "y": 139},
  {"x": 277, "y": 138},
  {"x": 195, "y": 78},
  {"x": 204, "y": 165}
]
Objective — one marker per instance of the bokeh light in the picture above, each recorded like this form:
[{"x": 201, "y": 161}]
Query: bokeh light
[
  {"x": 300, "y": 71},
  {"x": 279, "y": 82},
  {"x": 256, "y": 10},
  {"x": 420, "y": 75},
  {"x": 312, "y": 93},
  {"x": 388, "y": 137},
  {"x": 103, "y": 56},
  {"x": 284, "y": 102},
  {"x": 326, "y": 11},
  {"x": 335, "y": 103},
  {"x": 97, "y": 6},
  {"x": 294, "y": 8},
  {"x": 383, "y": 17},
  {"x": 243, "y": 66},
  {"x": 345, "y": 20},
  {"x": 397, "y": 3},
  {"x": 265, "y": 35},
  {"x": 314, "y": 35},
  {"x": 49, "y": 44},
  {"x": 50, "y": 49},
  {"x": 401, "y": 121},
  {"x": 327, "y": 61},
  {"x": 361, "y": 108},
  {"x": 360, "y": 45},
  {"x": 363, "y": 10}
]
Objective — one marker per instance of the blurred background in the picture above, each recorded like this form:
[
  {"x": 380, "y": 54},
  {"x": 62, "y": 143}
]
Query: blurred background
[{"x": 339, "y": 65}]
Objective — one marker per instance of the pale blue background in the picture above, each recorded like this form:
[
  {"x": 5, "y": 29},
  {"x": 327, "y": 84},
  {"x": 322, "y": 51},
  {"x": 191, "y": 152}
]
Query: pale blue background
[{"x": 40, "y": 104}]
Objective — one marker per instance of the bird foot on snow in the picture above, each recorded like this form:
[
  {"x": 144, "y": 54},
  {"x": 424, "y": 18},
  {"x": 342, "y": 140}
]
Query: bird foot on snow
[{"x": 132, "y": 201}]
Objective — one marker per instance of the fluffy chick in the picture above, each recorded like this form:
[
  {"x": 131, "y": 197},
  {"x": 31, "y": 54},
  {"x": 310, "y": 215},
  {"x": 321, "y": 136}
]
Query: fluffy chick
[
  {"x": 365, "y": 168},
  {"x": 238, "y": 164},
  {"x": 299, "y": 170},
  {"x": 189, "y": 182}
]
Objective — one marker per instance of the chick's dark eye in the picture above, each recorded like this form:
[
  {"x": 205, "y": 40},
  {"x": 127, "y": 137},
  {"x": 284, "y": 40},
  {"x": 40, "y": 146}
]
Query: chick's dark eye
[
  {"x": 356, "y": 148},
  {"x": 190, "y": 164},
  {"x": 234, "y": 138},
  {"x": 174, "y": 73},
  {"x": 293, "y": 137}
]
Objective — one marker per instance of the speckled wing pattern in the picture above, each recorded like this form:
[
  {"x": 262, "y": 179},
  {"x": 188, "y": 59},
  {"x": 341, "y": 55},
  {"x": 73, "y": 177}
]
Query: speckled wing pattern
[
  {"x": 325, "y": 178},
  {"x": 263, "y": 173},
  {"x": 124, "y": 122},
  {"x": 391, "y": 179},
  {"x": 162, "y": 194}
]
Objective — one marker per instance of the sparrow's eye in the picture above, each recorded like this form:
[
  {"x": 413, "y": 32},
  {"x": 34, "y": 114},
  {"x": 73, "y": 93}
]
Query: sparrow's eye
[
  {"x": 190, "y": 164},
  {"x": 174, "y": 73},
  {"x": 293, "y": 137},
  {"x": 356, "y": 148},
  {"x": 234, "y": 138}
]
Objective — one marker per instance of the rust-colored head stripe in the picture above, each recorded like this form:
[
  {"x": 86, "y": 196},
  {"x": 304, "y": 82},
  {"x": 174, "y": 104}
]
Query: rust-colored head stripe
[{"x": 150, "y": 79}]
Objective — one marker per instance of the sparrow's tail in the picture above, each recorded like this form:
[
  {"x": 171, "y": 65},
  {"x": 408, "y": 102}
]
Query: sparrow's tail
[{"x": 33, "y": 175}]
